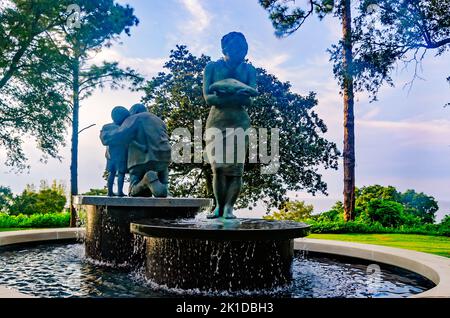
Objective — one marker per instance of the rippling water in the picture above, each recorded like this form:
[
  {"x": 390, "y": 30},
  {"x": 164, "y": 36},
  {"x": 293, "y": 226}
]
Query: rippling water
[{"x": 61, "y": 270}]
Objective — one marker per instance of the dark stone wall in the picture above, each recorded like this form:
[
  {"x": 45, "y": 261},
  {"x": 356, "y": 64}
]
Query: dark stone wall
[
  {"x": 219, "y": 265},
  {"x": 108, "y": 237}
]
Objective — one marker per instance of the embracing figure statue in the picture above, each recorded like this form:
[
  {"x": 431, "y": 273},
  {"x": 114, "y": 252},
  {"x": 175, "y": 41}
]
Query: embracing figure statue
[
  {"x": 144, "y": 137},
  {"x": 228, "y": 85}
]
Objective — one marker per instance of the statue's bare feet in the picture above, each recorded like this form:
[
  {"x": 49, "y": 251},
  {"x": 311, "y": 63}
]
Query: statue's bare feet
[
  {"x": 228, "y": 212},
  {"x": 214, "y": 214}
]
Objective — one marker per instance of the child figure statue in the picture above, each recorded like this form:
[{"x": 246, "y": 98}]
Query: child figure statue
[{"x": 116, "y": 154}]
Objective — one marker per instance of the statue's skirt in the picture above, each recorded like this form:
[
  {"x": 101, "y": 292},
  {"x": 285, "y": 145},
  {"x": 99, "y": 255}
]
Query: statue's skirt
[{"x": 227, "y": 140}]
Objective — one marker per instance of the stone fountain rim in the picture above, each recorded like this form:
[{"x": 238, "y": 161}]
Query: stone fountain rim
[
  {"x": 224, "y": 234},
  {"x": 171, "y": 202}
]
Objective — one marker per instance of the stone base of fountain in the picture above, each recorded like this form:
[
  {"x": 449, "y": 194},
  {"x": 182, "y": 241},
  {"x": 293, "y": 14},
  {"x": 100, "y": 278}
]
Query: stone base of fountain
[
  {"x": 219, "y": 255},
  {"x": 108, "y": 237}
]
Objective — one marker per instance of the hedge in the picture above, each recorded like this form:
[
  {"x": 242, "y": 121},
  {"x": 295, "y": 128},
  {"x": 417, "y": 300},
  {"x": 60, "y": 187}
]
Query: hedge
[
  {"x": 358, "y": 227},
  {"x": 49, "y": 220}
]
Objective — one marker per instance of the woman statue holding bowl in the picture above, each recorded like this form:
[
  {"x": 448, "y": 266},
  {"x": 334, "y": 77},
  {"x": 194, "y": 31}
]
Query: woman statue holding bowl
[{"x": 228, "y": 85}]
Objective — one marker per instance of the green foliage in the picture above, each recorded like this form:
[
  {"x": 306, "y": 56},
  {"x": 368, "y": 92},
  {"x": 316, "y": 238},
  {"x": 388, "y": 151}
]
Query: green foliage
[
  {"x": 387, "y": 213},
  {"x": 42, "y": 61},
  {"x": 445, "y": 224},
  {"x": 176, "y": 96},
  {"x": 446, "y": 220},
  {"x": 388, "y": 206},
  {"x": 287, "y": 18},
  {"x": 49, "y": 220},
  {"x": 360, "y": 227},
  {"x": 396, "y": 31},
  {"x": 6, "y": 198},
  {"x": 365, "y": 194},
  {"x": 420, "y": 205},
  {"x": 101, "y": 23},
  {"x": 384, "y": 33},
  {"x": 380, "y": 210},
  {"x": 292, "y": 211},
  {"x": 335, "y": 214},
  {"x": 103, "y": 191},
  {"x": 32, "y": 102},
  {"x": 49, "y": 199}
]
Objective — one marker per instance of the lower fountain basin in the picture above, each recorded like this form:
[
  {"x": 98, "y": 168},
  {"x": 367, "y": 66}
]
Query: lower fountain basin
[{"x": 238, "y": 254}]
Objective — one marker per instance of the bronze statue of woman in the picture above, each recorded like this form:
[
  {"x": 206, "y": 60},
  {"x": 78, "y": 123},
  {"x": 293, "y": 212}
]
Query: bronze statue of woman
[{"x": 228, "y": 85}]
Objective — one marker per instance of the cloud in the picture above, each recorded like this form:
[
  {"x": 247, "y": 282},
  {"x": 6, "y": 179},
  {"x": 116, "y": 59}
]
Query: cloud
[
  {"x": 371, "y": 113},
  {"x": 200, "y": 18},
  {"x": 274, "y": 64},
  {"x": 425, "y": 134},
  {"x": 437, "y": 126},
  {"x": 311, "y": 74},
  {"x": 146, "y": 66}
]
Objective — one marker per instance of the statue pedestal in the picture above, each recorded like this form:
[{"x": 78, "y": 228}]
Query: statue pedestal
[{"x": 108, "y": 237}]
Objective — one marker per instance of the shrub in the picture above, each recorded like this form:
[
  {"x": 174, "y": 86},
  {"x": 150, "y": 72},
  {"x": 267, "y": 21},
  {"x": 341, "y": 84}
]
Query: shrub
[
  {"x": 444, "y": 226},
  {"x": 293, "y": 211},
  {"x": 48, "y": 220},
  {"x": 365, "y": 194},
  {"x": 6, "y": 198},
  {"x": 410, "y": 219},
  {"x": 335, "y": 214},
  {"x": 103, "y": 191},
  {"x": 387, "y": 213},
  {"x": 346, "y": 227},
  {"x": 46, "y": 200},
  {"x": 446, "y": 221},
  {"x": 374, "y": 228},
  {"x": 420, "y": 205},
  {"x": 418, "y": 208}
]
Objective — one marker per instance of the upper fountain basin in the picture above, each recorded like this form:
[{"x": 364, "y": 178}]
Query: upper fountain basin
[{"x": 221, "y": 229}]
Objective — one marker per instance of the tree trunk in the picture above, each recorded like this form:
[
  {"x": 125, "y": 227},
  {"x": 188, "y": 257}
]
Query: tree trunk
[
  {"x": 349, "y": 119},
  {"x": 74, "y": 149}
]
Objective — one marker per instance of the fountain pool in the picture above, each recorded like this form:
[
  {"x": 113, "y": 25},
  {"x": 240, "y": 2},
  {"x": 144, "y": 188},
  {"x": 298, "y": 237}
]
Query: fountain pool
[{"x": 63, "y": 270}]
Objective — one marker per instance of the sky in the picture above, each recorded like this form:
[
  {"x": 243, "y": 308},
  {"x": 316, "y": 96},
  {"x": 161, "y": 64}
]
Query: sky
[{"x": 401, "y": 140}]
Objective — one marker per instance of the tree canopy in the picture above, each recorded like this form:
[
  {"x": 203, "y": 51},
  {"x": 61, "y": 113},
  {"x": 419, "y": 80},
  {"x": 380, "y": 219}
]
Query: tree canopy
[
  {"x": 384, "y": 33},
  {"x": 6, "y": 198},
  {"x": 420, "y": 205},
  {"x": 38, "y": 52},
  {"x": 48, "y": 199},
  {"x": 292, "y": 211},
  {"x": 32, "y": 102},
  {"x": 176, "y": 96},
  {"x": 382, "y": 198},
  {"x": 392, "y": 31}
]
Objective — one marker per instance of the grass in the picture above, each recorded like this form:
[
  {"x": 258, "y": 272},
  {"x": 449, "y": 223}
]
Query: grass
[
  {"x": 439, "y": 245},
  {"x": 13, "y": 229}
]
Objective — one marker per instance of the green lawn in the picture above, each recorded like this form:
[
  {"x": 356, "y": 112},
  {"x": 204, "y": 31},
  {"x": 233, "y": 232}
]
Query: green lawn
[
  {"x": 12, "y": 229},
  {"x": 439, "y": 245}
]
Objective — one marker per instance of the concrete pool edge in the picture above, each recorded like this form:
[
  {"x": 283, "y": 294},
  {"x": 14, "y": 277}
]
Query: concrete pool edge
[
  {"x": 29, "y": 236},
  {"x": 436, "y": 268}
]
